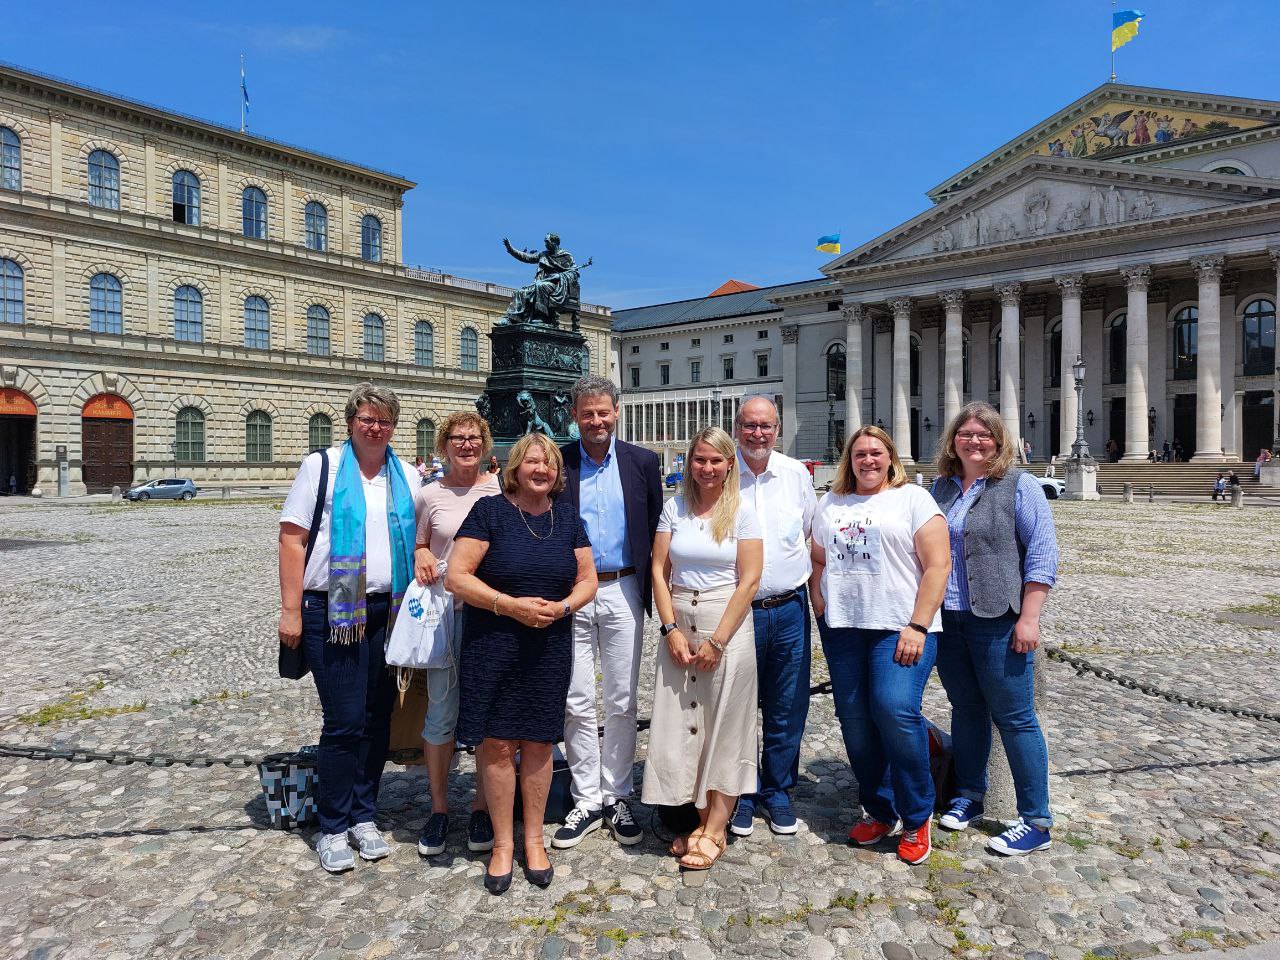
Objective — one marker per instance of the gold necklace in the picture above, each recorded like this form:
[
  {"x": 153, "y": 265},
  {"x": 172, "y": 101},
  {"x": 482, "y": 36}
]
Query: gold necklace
[{"x": 551, "y": 510}]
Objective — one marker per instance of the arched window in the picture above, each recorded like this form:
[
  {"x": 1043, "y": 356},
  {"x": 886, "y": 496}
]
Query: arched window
[
  {"x": 317, "y": 226},
  {"x": 426, "y": 438},
  {"x": 1116, "y": 351},
  {"x": 317, "y": 331},
  {"x": 188, "y": 436},
  {"x": 10, "y": 160},
  {"x": 1053, "y": 359},
  {"x": 257, "y": 437},
  {"x": 470, "y": 349},
  {"x": 104, "y": 180},
  {"x": 1186, "y": 324},
  {"x": 253, "y": 213},
  {"x": 1259, "y": 338},
  {"x": 1229, "y": 171},
  {"x": 374, "y": 344},
  {"x": 371, "y": 238},
  {"x": 186, "y": 198},
  {"x": 106, "y": 304},
  {"x": 319, "y": 432},
  {"x": 257, "y": 323},
  {"x": 424, "y": 344},
  {"x": 914, "y": 359},
  {"x": 836, "y": 371},
  {"x": 11, "y": 292},
  {"x": 188, "y": 315}
]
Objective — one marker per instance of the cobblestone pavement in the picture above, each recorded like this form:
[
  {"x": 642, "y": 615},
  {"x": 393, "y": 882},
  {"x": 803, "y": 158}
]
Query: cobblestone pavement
[{"x": 152, "y": 627}]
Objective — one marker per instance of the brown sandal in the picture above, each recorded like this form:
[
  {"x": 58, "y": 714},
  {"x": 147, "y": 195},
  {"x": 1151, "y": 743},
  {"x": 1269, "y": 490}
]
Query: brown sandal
[
  {"x": 701, "y": 861},
  {"x": 685, "y": 840}
]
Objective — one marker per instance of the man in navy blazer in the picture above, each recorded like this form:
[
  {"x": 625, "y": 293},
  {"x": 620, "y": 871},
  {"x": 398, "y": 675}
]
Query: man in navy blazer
[{"x": 616, "y": 488}]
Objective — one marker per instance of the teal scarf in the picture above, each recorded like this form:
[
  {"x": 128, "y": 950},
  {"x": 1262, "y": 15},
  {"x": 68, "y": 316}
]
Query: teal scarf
[{"x": 348, "y": 612}]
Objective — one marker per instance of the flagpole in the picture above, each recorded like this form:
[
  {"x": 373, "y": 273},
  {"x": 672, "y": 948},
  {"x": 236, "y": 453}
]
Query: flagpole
[
  {"x": 242, "y": 85},
  {"x": 1113, "y": 46}
]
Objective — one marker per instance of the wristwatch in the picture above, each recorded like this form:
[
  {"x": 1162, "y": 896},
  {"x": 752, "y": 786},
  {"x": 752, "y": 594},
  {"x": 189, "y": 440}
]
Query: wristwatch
[
  {"x": 924, "y": 631},
  {"x": 568, "y": 610},
  {"x": 666, "y": 628}
]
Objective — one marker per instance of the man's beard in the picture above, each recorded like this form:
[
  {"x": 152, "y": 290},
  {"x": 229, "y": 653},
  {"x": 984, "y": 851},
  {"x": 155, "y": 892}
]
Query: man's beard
[{"x": 757, "y": 455}]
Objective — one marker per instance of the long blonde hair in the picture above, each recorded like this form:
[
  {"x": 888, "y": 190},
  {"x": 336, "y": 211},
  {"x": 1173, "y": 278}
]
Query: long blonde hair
[
  {"x": 846, "y": 481},
  {"x": 725, "y": 513},
  {"x": 948, "y": 461}
]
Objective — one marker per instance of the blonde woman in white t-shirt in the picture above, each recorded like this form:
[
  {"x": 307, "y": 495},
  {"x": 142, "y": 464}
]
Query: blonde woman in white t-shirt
[
  {"x": 707, "y": 560},
  {"x": 881, "y": 558}
]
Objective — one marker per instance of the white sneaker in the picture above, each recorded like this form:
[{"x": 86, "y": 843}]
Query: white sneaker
[
  {"x": 335, "y": 853},
  {"x": 371, "y": 844}
]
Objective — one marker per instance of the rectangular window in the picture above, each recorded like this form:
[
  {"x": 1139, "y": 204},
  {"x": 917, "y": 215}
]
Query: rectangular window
[
  {"x": 833, "y": 305},
  {"x": 635, "y": 377},
  {"x": 697, "y": 341},
  {"x": 695, "y": 371},
  {"x": 664, "y": 374},
  {"x": 648, "y": 422},
  {"x": 664, "y": 345},
  {"x": 762, "y": 364},
  {"x": 762, "y": 334},
  {"x": 635, "y": 348},
  {"x": 728, "y": 338},
  {"x": 728, "y": 368}
]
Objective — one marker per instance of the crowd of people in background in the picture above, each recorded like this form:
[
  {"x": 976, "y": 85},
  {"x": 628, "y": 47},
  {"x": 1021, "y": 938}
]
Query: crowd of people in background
[{"x": 553, "y": 562}]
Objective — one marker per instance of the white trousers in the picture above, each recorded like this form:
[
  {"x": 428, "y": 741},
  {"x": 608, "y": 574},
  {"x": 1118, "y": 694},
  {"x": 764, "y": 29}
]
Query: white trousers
[{"x": 611, "y": 628}]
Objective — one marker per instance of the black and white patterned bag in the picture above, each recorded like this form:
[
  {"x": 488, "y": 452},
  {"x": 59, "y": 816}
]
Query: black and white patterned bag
[{"x": 289, "y": 783}]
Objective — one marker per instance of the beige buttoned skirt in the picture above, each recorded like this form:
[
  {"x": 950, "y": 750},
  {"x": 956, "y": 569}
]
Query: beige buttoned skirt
[{"x": 703, "y": 734}]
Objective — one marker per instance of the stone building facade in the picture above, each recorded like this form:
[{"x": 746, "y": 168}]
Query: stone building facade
[{"x": 180, "y": 297}]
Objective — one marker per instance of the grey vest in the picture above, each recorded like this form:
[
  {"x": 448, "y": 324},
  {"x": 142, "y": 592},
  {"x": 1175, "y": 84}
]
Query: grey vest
[{"x": 993, "y": 554}]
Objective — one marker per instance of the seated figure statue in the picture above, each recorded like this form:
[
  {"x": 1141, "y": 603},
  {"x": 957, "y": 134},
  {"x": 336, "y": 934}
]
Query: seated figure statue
[{"x": 555, "y": 286}]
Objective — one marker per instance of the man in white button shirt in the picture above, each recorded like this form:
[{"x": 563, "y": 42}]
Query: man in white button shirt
[{"x": 781, "y": 492}]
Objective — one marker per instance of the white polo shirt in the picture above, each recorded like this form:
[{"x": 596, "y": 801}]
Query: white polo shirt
[{"x": 784, "y": 503}]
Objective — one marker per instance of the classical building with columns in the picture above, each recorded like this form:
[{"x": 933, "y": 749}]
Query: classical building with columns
[
  {"x": 177, "y": 297},
  {"x": 1138, "y": 228}
]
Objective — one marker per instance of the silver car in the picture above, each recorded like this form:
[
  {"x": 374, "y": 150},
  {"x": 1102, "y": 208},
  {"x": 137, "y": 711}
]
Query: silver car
[{"x": 170, "y": 488}]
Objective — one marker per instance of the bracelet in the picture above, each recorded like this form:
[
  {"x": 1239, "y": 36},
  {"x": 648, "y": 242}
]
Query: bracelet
[
  {"x": 915, "y": 626},
  {"x": 496, "y": 598},
  {"x": 716, "y": 643}
]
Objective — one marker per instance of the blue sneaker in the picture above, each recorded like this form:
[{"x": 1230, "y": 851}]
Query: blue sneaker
[
  {"x": 742, "y": 823},
  {"x": 1020, "y": 839},
  {"x": 960, "y": 813},
  {"x": 780, "y": 818}
]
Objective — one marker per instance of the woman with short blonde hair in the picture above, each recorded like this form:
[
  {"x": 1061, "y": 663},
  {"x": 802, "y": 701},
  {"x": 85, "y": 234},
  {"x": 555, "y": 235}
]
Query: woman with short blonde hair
[{"x": 510, "y": 476}]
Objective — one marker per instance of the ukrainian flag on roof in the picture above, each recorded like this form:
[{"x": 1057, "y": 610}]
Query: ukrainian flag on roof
[
  {"x": 829, "y": 243},
  {"x": 1124, "y": 27}
]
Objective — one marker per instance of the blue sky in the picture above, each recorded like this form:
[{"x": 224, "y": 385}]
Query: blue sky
[{"x": 678, "y": 143}]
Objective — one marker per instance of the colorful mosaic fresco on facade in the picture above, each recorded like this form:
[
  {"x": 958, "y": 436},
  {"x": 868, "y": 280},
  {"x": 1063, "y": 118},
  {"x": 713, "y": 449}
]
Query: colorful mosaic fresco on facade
[{"x": 1117, "y": 125}]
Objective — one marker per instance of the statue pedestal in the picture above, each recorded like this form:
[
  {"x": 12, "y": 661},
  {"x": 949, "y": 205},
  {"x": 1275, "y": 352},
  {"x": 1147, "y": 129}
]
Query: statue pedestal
[
  {"x": 1082, "y": 479},
  {"x": 534, "y": 366}
]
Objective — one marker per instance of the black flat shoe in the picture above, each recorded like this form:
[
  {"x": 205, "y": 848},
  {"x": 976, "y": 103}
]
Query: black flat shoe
[
  {"x": 540, "y": 878},
  {"x": 499, "y": 884}
]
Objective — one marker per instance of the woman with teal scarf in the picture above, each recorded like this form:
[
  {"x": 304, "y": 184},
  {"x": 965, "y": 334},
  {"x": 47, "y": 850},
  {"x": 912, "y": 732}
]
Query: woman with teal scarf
[{"x": 340, "y": 604}]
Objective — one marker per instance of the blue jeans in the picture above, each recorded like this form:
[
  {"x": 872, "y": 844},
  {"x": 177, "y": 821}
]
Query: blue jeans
[
  {"x": 878, "y": 705},
  {"x": 987, "y": 683},
  {"x": 782, "y": 672},
  {"x": 357, "y": 693}
]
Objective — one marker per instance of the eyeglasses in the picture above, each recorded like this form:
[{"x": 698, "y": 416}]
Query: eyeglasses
[
  {"x": 975, "y": 437},
  {"x": 759, "y": 427},
  {"x": 370, "y": 422},
  {"x": 459, "y": 441}
]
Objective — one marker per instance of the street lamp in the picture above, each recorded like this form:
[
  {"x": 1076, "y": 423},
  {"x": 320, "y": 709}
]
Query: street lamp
[
  {"x": 831, "y": 427},
  {"x": 1079, "y": 449}
]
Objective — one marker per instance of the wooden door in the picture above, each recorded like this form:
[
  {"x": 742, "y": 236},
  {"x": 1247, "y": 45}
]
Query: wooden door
[{"x": 107, "y": 453}]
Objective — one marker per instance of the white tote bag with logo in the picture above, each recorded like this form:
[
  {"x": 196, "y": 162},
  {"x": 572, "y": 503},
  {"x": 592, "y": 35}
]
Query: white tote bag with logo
[{"x": 422, "y": 637}]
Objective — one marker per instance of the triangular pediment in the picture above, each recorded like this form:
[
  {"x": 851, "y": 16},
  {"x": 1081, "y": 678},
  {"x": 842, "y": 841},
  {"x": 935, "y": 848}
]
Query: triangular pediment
[
  {"x": 1041, "y": 198},
  {"x": 1115, "y": 120}
]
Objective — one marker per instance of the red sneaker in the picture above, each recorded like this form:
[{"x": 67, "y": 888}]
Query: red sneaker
[
  {"x": 914, "y": 847},
  {"x": 868, "y": 831}
]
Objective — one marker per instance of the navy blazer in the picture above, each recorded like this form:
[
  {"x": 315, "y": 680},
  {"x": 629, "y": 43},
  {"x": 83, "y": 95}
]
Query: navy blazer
[{"x": 641, "y": 493}]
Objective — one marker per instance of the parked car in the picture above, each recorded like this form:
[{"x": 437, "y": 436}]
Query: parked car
[
  {"x": 673, "y": 478},
  {"x": 170, "y": 488},
  {"x": 1052, "y": 487}
]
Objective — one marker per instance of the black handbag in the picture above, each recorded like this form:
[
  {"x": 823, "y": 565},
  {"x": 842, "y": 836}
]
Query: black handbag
[{"x": 292, "y": 661}]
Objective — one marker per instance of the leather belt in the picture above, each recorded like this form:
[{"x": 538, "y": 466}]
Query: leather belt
[
  {"x": 777, "y": 600},
  {"x": 608, "y": 576}
]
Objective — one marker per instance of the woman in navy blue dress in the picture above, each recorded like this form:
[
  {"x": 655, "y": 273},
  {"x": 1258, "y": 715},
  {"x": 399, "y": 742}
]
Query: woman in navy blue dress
[{"x": 523, "y": 568}]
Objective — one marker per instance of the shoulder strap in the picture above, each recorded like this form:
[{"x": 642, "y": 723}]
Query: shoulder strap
[{"x": 319, "y": 510}]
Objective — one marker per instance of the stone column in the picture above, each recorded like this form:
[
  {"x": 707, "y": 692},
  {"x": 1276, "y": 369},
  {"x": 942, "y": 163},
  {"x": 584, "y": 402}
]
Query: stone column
[
  {"x": 55, "y": 154},
  {"x": 225, "y": 336},
  {"x": 1209, "y": 361},
  {"x": 1232, "y": 401},
  {"x": 1010, "y": 359},
  {"x": 901, "y": 431},
  {"x": 853, "y": 316},
  {"x": 223, "y": 204},
  {"x": 153, "y": 295},
  {"x": 290, "y": 325},
  {"x": 930, "y": 381},
  {"x": 1033, "y": 374},
  {"x": 344, "y": 227},
  {"x": 790, "y": 385},
  {"x": 149, "y": 175},
  {"x": 1136, "y": 442},
  {"x": 953, "y": 361},
  {"x": 1275, "y": 384},
  {"x": 397, "y": 215},
  {"x": 59, "y": 283},
  {"x": 1157, "y": 364},
  {"x": 286, "y": 211},
  {"x": 1072, "y": 287}
]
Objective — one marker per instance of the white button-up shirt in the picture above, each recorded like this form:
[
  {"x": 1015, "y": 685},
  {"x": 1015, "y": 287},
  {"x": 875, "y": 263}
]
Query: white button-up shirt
[{"x": 784, "y": 503}]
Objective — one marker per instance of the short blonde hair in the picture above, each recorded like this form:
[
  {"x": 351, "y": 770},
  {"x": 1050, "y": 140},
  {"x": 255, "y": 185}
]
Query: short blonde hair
[
  {"x": 948, "y": 461},
  {"x": 846, "y": 481},
  {"x": 724, "y": 514},
  {"x": 521, "y": 450},
  {"x": 378, "y": 397},
  {"x": 462, "y": 418}
]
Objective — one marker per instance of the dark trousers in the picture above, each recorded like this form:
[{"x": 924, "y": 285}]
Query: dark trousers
[
  {"x": 356, "y": 696},
  {"x": 782, "y": 673}
]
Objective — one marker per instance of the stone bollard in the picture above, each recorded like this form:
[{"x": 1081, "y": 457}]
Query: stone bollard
[
  {"x": 226, "y": 493},
  {"x": 1151, "y": 493},
  {"x": 1128, "y": 492},
  {"x": 1001, "y": 803},
  {"x": 1237, "y": 496},
  {"x": 115, "y": 494}
]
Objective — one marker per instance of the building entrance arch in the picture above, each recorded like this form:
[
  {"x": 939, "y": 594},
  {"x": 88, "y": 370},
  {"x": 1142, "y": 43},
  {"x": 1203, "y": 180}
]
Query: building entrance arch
[
  {"x": 106, "y": 443},
  {"x": 17, "y": 441}
]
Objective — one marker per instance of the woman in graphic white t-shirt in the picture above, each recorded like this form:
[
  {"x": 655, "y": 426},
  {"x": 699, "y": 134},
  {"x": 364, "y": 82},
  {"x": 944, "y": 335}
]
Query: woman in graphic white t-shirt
[{"x": 881, "y": 558}]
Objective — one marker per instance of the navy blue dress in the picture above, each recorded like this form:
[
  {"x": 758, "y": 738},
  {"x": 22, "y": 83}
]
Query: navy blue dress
[{"x": 513, "y": 679}]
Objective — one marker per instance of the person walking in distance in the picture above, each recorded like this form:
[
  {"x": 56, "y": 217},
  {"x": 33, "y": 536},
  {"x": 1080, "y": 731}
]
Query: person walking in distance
[
  {"x": 780, "y": 492},
  {"x": 616, "y": 489}
]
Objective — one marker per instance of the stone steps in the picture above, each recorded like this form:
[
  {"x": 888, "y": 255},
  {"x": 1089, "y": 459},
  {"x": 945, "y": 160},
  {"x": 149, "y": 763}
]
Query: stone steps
[{"x": 1165, "y": 479}]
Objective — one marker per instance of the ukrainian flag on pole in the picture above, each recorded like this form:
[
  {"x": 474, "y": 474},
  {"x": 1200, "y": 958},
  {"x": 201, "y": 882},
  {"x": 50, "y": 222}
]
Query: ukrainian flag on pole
[
  {"x": 829, "y": 243},
  {"x": 1124, "y": 27}
]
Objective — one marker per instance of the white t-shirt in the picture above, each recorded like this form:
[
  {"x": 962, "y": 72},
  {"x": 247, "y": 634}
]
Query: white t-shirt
[
  {"x": 697, "y": 561},
  {"x": 872, "y": 571},
  {"x": 301, "y": 503}
]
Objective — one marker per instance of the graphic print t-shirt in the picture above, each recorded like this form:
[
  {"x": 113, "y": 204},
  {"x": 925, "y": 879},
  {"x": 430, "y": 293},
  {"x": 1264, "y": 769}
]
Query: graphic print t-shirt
[{"x": 872, "y": 571}]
